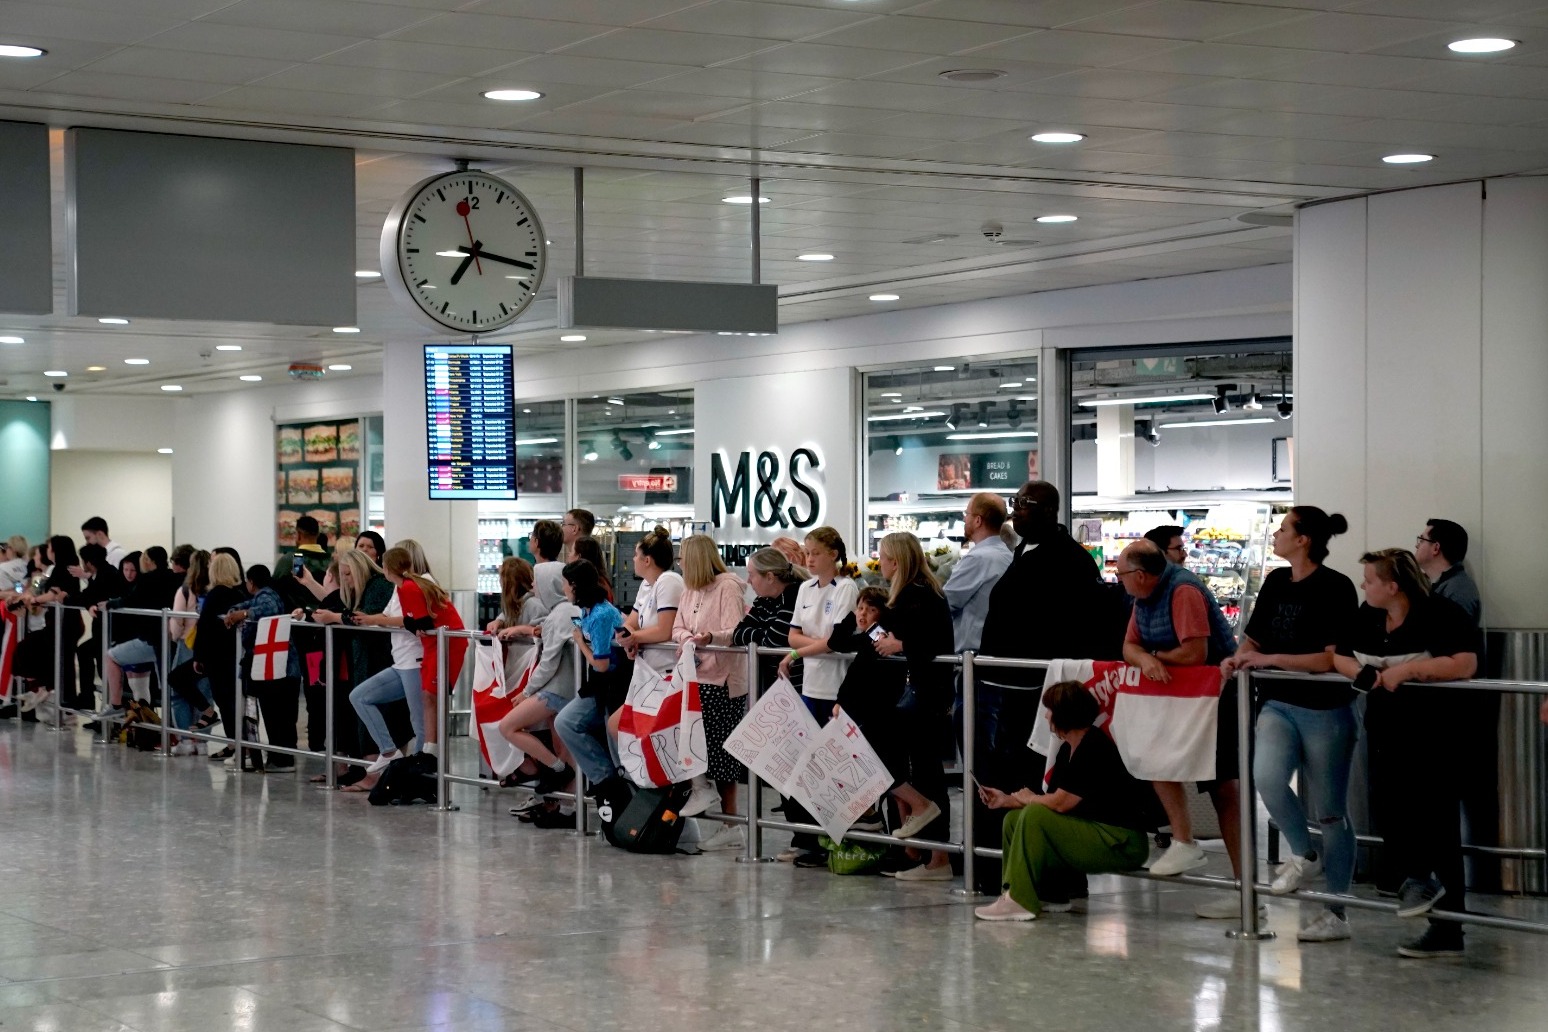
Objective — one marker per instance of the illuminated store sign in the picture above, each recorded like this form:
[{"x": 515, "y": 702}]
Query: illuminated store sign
[{"x": 761, "y": 490}]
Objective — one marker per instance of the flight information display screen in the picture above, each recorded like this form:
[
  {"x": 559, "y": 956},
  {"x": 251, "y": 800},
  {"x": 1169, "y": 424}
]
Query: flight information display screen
[{"x": 470, "y": 423}]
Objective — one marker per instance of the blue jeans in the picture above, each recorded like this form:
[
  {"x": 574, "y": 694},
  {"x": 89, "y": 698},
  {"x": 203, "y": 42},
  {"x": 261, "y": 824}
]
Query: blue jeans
[
  {"x": 389, "y": 685},
  {"x": 582, "y": 725},
  {"x": 1322, "y": 742}
]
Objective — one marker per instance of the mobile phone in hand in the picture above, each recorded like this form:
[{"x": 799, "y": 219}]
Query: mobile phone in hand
[{"x": 297, "y": 564}]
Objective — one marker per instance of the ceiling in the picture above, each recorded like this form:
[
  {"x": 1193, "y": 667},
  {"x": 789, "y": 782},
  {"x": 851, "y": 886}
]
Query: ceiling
[{"x": 1195, "y": 112}]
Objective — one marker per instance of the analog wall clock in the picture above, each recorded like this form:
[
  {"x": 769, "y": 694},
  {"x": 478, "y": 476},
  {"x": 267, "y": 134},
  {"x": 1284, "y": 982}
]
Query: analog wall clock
[{"x": 464, "y": 251}]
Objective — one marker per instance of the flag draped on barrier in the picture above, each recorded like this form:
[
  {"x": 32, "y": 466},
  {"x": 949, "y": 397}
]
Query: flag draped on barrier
[
  {"x": 271, "y": 649},
  {"x": 8, "y": 625},
  {"x": 1165, "y": 731},
  {"x": 661, "y": 727},
  {"x": 493, "y": 701}
]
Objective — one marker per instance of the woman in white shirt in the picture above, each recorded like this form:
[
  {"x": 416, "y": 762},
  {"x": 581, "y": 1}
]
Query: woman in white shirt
[
  {"x": 820, "y": 604},
  {"x": 399, "y": 681}
]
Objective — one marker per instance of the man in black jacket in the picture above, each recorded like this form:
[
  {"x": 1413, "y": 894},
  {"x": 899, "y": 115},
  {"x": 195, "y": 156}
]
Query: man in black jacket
[{"x": 136, "y": 640}]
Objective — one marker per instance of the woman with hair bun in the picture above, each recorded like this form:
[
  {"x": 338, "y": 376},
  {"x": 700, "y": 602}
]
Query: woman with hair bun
[{"x": 1296, "y": 623}]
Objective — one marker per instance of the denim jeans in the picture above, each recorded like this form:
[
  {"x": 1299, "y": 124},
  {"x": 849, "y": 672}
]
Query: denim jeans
[
  {"x": 1322, "y": 742},
  {"x": 582, "y": 725},
  {"x": 387, "y": 686}
]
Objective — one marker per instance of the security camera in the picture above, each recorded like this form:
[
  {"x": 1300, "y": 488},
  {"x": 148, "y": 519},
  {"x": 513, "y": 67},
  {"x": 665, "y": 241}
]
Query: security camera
[
  {"x": 205, "y": 353},
  {"x": 992, "y": 230},
  {"x": 58, "y": 386}
]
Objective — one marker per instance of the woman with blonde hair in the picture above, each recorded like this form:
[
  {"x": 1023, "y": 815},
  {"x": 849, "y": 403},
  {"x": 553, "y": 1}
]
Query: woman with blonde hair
[
  {"x": 917, "y": 626},
  {"x": 712, "y": 604},
  {"x": 214, "y": 645}
]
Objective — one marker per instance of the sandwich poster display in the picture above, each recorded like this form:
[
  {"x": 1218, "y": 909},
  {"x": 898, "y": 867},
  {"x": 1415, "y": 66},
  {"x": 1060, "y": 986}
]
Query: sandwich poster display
[{"x": 318, "y": 475}]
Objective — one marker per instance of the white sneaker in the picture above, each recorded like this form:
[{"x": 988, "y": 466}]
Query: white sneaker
[
  {"x": 1226, "y": 908},
  {"x": 917, "y": 822},
  {"x": 1179, "y": 858},
  {"x": 379, "y": 764},
  {"x": 701, "y": 800},
  {"x": 788, "y": 854},
  {"x": 926, "y": 873},
  {"x": 185, "y": 748},
  {"x": 728, "y": 837},
  {"x": 1329, "y": 927},
  {"x": 30, "y": 701},
  {"x": 1057, "y": 908},
  {"x": 1289, "y": 875},
  {"x": 1004, "y": 909}
]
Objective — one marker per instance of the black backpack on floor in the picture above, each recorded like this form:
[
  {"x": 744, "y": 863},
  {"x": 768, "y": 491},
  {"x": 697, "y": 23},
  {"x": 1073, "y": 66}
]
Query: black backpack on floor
[
  {"x": 642, "y": 820},
  {"x": 408, "y": 779}
]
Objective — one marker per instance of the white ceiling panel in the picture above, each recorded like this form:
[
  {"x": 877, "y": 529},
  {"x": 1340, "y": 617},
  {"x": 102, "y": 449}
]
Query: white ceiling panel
[
  {"x": 821, "y": 59},
  {"x": 529, "y": 35},
  {"x": 112, "y": 25},
  {"x": 682, "y": 48},
  {"x": 1088, "y": 49},
  {"x": 422, "y": 57},
  {"x": 174, "y": 64},
  {"x": 763, "y": 21},
  {"x": 1339, "y": 32},
  {"x": 924, "y": 35},
  {"x": 568, "y": 69},
  {"x": 132, "y": 87},
  {"x": 1191, "y": 20},
  {"x": 740, "y": 83},
  {"x": 374, "y": 82},
  {"x": 1042, "y": 14},
  {"x": 337, "y": 17},
  {"x": 588, "y": 12},
  {"x": 277, "y": 44}
]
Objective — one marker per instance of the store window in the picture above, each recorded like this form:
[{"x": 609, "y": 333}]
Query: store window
[
  {"x": 504, "y": 526},
  {"x": 1200, "y": 437},
  {"x": 939, "y": 432}
]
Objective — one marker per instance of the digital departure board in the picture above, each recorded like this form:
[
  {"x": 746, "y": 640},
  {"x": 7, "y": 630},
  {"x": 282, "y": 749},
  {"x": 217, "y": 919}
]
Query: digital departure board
[{"x": 470, "y": 423}]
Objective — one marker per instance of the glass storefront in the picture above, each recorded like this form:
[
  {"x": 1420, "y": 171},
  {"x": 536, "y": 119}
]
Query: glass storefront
[
  {"x": 503, "y": 527},
  {"x": 938, "y": 432},
  {"x": 1199, "y": 436}
]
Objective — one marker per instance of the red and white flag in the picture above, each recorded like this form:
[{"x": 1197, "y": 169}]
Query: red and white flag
[
  {"x": 661, "y": 727},
  {"x": 8, "y": 628},
  {"x": 1164, "y": 731},
  {"x": 493, "y": 701},
  {"x": 271, "y": 648}
]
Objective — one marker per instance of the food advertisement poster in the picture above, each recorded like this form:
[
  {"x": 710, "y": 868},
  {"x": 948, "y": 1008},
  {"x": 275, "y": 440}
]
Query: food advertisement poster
[{"x": 318, "y": 476}]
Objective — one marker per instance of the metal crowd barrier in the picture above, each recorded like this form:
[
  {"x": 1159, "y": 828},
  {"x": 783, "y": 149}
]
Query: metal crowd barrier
[{"x": 1248, "y": 888}]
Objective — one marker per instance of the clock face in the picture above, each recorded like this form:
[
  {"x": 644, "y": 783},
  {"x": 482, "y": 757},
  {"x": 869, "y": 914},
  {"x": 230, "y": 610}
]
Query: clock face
[{"x": 468, "y": 251}]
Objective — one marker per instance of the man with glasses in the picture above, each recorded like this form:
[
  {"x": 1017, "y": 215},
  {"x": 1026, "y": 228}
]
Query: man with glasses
[
  {"x": 578, "y": 523},
  {"x": 1440, "y": 551},
  {"x": 1169, "y": 539}
]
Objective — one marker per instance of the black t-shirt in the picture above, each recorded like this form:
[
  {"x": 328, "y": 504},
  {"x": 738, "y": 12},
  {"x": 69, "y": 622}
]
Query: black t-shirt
[
  {"x": 1298, "y": 618},
  {"x": 1435, "y": 625},
  {"x": 1108, "y": 793}
]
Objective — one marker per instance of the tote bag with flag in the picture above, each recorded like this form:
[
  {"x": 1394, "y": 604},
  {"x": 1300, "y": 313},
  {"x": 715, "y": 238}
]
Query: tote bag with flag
[
  {"x": 493, "y": 700},
  {"x": 271, "y": 648},
  {"x": 661, "y": 726}
]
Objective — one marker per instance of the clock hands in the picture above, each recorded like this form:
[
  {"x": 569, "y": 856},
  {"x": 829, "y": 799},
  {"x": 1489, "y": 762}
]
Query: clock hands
[
  {"x": 472, "y": 256},
  {"x": 462, "y": 209},
  {"x": 477, "y": 251}
]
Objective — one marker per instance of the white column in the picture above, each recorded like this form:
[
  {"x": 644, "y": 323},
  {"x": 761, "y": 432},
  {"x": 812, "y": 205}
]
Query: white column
[
  {"x": 447, "y": 530},
  {"x": 1115, "y": 450},
  {"x": 1421, "y": 375}
]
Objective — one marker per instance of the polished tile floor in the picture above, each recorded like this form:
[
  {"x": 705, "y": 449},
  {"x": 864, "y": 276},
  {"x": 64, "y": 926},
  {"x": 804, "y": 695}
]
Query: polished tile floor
[{"x": 150, "y": 895}]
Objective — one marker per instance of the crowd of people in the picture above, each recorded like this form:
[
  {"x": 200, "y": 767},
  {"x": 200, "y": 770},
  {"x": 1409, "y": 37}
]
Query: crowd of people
[{"x": 1024, "y": 589}]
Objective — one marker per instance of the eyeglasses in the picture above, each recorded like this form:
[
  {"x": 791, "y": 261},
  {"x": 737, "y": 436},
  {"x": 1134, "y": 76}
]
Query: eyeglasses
[
  {"x": 1124, "y": 573},
  {"x": 1422, "y": 540},
  {"x": 1023, "y": 503}
]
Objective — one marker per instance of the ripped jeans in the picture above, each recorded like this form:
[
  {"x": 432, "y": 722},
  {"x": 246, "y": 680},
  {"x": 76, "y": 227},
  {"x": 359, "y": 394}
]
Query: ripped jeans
[{"x": 1321, "y": 742}]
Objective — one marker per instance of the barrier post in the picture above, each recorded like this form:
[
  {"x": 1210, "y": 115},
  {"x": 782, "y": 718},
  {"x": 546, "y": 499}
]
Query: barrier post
[
  {"x": 331, "y": 776},
  {"x": 1247, "y": 850},
  {"x": 241, "y": 705},
  {"x": 59, "y": 712},
  {"x": 754, "y": 853},
  {"x": 166, "y": 685},
  {"x": 580, "y": 777},
  {"x": 442, "y": 791},
  {"x": 969, "y": 889},
  {"x": 104, "y": 722}
]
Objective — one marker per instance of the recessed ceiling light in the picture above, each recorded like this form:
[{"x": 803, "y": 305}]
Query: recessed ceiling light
[
  {"x": 573, "y": 338},
  {"x": 1483, "y": 45},
  {"x": 527, "y": 411},
  {"x": 814, "y": 257},
  {"x": 250, "y": 378},
  {"x": 136, "y": 361},
  {"x": 743, "y": 199},
  {"x": 1058, "y": 137},
  {"x": 340, "y": 367},
  {"x": 1010, "y": 385},
  {"x": 346, "y": 329},
  {"x": 12, "y": 340},
  {"x": 615, "y": 401},
  {"x": 1408, "y": 159},
  {"x": 113, "y": 321},
  {"x": 96, "y": 369},
  {"x": 367, "y": 274},
  {"x": 32, "y": 397},
  {"x": 884, "y": 297},
  {"x": 1058, "y": 218},
  {"x": 55, "y": 372},
  {"x": 945, "y": 368},
  {"x": 163, "y": 451},
  {"x": 228, "y": 347},
  {"x": 20, "y": 50},
  {"x": 511, "y": 95},
  {"x": 972, "y": 75},
  {"x": 171, "y": 386},
  {"x": 892, "y": 394}
]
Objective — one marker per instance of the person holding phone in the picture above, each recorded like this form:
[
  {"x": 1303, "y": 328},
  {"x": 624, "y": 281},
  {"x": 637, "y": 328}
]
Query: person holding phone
[{"x": 308, "y": 554}]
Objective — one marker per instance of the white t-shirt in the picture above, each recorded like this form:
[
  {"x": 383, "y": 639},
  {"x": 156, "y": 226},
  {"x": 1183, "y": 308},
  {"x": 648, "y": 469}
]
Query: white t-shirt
[
  {"x": 651, "y": 600},
  {"x": 548, "y": 582},
  {"x": 407, "y": 652},
  {"x": 13, "y": 571},
  {"x": 818, "y": 607}
]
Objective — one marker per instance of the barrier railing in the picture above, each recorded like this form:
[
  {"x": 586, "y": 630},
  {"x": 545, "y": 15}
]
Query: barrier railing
[{"x": 1248, "y": 888}]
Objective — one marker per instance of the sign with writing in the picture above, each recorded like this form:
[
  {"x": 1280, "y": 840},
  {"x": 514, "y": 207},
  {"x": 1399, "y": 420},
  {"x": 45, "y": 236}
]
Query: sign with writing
[
  {"x": 1001, "y": 472},
  {"x": 757, "y": 489},
  {"x": 660, "y": 483}
]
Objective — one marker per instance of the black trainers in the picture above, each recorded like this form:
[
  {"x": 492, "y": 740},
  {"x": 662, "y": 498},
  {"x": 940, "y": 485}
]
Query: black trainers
[
  {"x": 553, "y": 780},
  {"x": 1435, "y": 942},
  {"x": 1416, "y": 897}
]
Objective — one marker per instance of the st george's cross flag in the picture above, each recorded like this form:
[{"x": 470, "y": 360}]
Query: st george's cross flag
[
  {"x": 8, "y": 629},
  {"x": 271, "y": 648},
  {"x": 493, "y": 700},
  {"x": 661, "y": 727}
]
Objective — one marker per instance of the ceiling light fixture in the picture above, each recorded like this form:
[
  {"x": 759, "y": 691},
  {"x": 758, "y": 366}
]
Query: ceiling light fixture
[
  {"x": 367, "y": 274},
  {"x": 1058, "y": 218},
  {"x": 674, "y": 433},
  {"x": 112, "y": 320},
  {"x": 1157, "y": 399},
  {"x": 1058, "y": 137},
  {"x": 1408, "y": 159},
  {"x": 814, "y": 257},
  {"x": 346, "y": 329},
  {"x": 12, "y": 340},
  {"x": 512, "y": 95},
  {"x": 55, "y": 372},
  {"x": 573, "y": 338},
  {"x": 945, "y": 368},
  {"x": 983, "y": 413},
  {"x": 340, "y": 367},
  {"x": 20, "y": 50},
  {"x": 250, "y": 378},
  {"x": 32, "y": 397},
  {"x": 884, "y": 297},
  {"x": 1482, "y": 45},
  {"x": 1009, "y": 385},
  {"x": 956, "y": 415},
  {"x": 615, "y": 401},
  {"x": 892, "y": 394},
  {"x": 590, "y": 454},
  {"x": 1147, "y": 430},
  {"x": 1221, "y": 404},
  {"x": 228, "y": 347},
  {"x": 1253, "y": 402},
  {"x": 889, "y": 416},
  {"x": 1285, "y": 409},
  {"x": 163, "y": 451},
  {"x": 136, "y": 361},
  {"x": 1013, "y": 415},
  {"x": 171, "y": 386},
  {"x": 96, "y": 369},
  {"x": 1215, "y": 422},
  {"x": 743, "y": 199},
  {"x": 536, "y": 440},
  {"x": 993, "y": 435}
]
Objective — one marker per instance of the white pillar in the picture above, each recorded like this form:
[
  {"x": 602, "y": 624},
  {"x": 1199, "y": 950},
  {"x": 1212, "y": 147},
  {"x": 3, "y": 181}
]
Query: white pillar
[
  {"x": 1421, "y": 373},
  {"x": 1115, "y": 450},
  {"x": 447, "y": 530}
]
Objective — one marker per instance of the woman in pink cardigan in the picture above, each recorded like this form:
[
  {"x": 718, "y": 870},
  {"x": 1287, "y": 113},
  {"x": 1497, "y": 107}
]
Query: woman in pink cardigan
[{"x": 714, "y": 603}]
